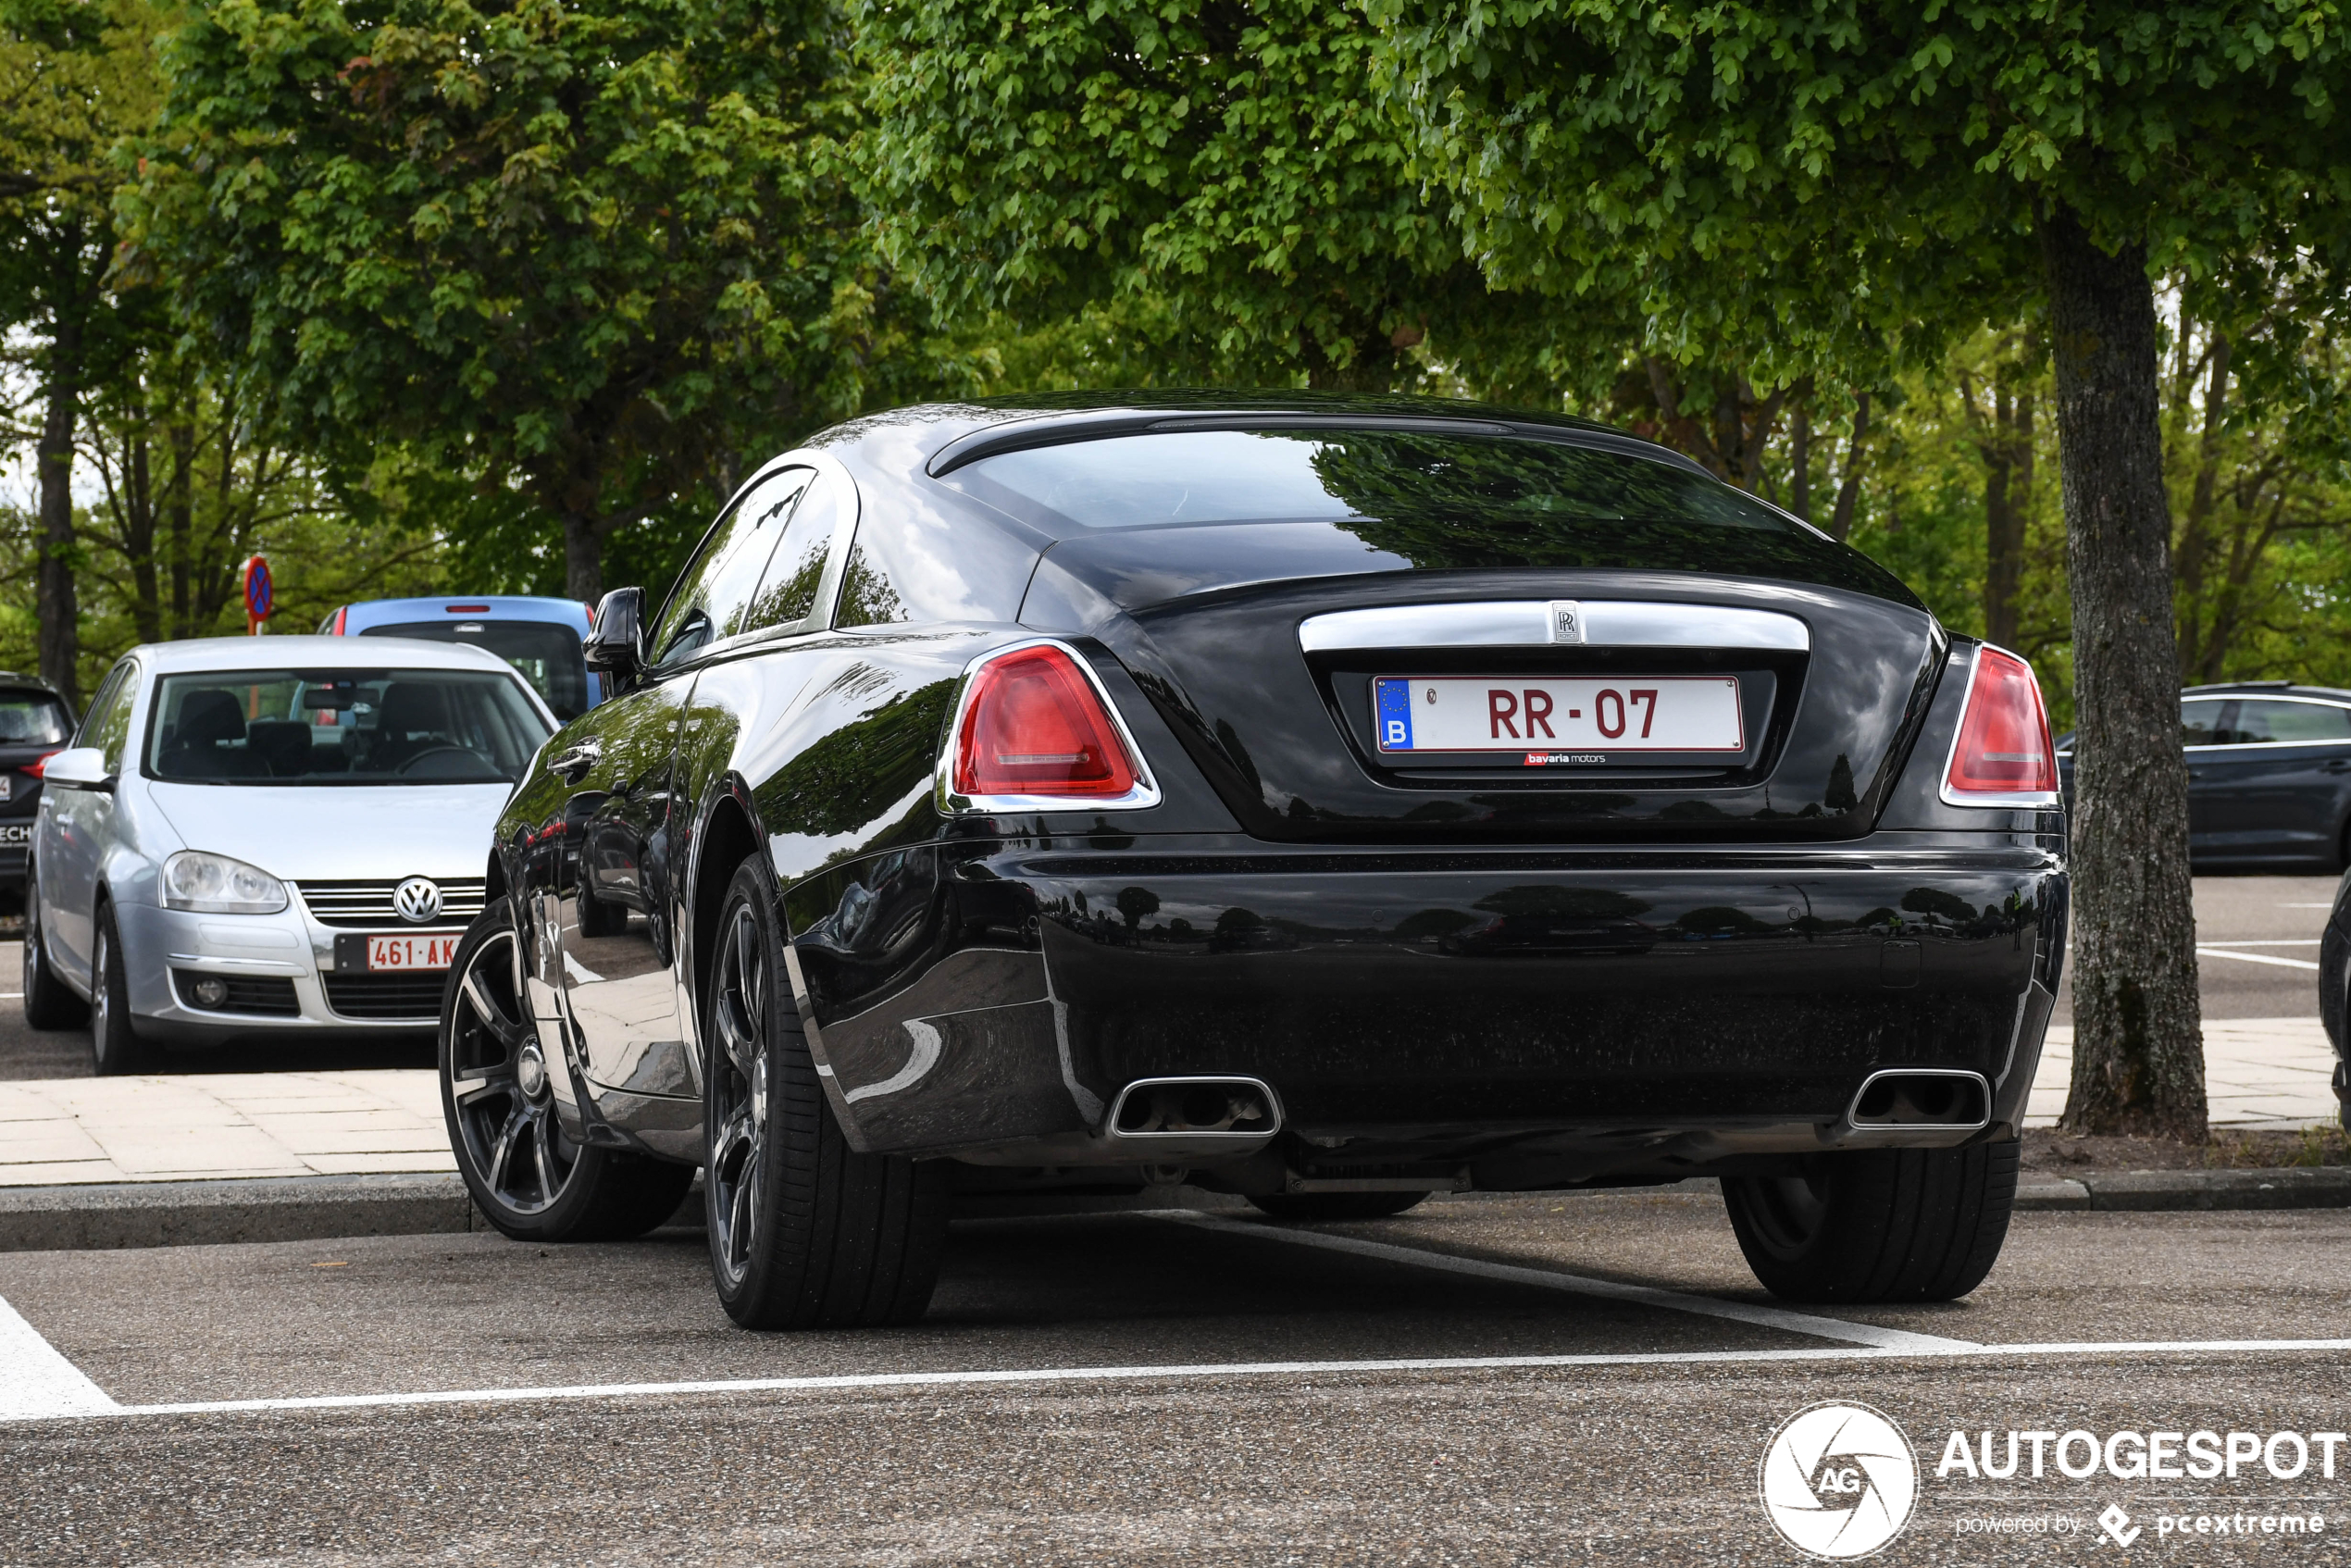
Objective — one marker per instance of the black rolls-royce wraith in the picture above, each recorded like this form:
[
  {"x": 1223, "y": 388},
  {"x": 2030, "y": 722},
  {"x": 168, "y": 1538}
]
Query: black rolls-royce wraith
[{"x": 1325, "y": 801}]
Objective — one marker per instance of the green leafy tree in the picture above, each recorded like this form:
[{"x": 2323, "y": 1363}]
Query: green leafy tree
[
  {"x": 587, "y": 254},
  {"x": 75, "y": 78},
  {"x": 1936, "y": 160},
  {"x": 1221, "y": 164}
]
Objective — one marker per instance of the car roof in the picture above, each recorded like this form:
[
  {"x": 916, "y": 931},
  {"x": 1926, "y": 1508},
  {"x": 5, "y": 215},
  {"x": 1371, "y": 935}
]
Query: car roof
[
  {"x": 12, "y": 682},
  {"x": 480, "y": 606},
  {"x": 198, "y": 654},
  {"x": 2268, "y": 689}
]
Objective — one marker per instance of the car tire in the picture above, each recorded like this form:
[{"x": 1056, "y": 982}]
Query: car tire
[
  {"x": 1327, "y": 1206},
  {"x": 114, "y": 1045},
  {"x": 804, "y": 1231},
  {"x": 1877, "y": 1224},
  {"x": 528, "y": 1177},
  {"x": 49, "y": 1002}
]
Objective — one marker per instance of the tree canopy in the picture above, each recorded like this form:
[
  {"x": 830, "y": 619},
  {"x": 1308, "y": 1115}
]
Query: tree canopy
[{"x": 583, "y": 250}]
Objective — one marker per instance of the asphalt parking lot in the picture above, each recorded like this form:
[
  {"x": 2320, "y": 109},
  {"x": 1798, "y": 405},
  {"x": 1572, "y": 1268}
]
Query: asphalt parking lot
[{"x": 1485, "y": 1380}]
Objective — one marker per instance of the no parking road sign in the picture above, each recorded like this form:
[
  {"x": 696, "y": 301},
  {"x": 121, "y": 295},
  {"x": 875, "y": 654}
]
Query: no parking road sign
[{"x": 260, "y": 595}]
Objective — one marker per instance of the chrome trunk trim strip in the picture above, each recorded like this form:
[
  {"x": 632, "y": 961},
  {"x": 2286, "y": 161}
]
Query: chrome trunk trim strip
[{"x": 1525, "y": 623}]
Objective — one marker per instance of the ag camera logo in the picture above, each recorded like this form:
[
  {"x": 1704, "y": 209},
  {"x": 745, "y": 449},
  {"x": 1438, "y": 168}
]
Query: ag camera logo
[{"x": 1839, "y": 1481}]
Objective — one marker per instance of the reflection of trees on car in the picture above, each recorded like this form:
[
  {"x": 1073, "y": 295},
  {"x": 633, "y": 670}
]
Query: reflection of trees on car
[
  {"x": 850, "y": 777},
  {"x": 1446, "y": 500}
]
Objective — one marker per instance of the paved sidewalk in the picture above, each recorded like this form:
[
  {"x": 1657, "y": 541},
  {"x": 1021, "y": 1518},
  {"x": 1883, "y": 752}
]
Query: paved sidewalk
[
  {"x": 210, "y": 1126},
  {"x": 2261, "y": 1072},
  {"x": 2273, "y": 1073}
]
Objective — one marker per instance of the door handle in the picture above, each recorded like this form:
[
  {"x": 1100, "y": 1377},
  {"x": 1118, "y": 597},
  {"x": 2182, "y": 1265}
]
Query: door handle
[{"x": 573, "y": 765}]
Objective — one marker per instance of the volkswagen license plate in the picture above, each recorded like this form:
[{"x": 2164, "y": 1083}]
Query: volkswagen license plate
[
  {"x": 412, "y": 953},
  {"x": 1583, "y": 717}
]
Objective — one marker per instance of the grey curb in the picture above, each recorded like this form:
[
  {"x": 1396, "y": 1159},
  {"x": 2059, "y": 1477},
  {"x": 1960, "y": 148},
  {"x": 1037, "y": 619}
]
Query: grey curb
[
  {"x": 2300, "y": 1186},
  {"x": 181, "y": 1213}
]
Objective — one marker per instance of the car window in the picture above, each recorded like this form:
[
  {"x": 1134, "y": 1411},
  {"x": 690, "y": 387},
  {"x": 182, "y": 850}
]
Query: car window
[
  {"x": 714, "y": 593},
  {"x": 2201, "y": 722},
  {"x": 342, "y": 725},
  {"x": 32, "y": 718},
  {"x": 546, "y": 653},
  {"x": 108, "y": 724},
  {"x": 788, "y": 593},
  {"x": 2262, "y": 720}
]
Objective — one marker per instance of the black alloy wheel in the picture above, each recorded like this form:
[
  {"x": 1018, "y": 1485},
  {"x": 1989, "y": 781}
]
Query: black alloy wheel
[
  {"x": 804, "y": 1232},
  {"x": 114, "y": 1045},
  {"x": 49, "y": 1002},
  {"x": 1877, "y": 1224},
  {"x": 527, "y": 1174},
  {"x": 1327, "y": 1206}
]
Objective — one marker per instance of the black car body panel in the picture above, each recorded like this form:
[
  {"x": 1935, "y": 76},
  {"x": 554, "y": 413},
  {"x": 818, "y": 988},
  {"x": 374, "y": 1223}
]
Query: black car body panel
[
  {"x": 1608, "y": 971},
  {"x": 25, "y": 743}
]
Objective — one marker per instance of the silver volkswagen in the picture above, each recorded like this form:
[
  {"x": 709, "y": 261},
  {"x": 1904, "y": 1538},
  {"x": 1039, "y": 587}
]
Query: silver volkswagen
[{"x": 250, "y": 835}]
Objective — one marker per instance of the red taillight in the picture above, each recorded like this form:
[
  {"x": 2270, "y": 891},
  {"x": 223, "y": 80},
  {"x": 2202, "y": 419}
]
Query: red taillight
[
  {"x": 40, "y": 764},
  {"x": 1033, "y": 725},
  {"x": 468, "y": 609},
  {"x": 2004, "y": 735},
  {"x": 340, "y": 617}
]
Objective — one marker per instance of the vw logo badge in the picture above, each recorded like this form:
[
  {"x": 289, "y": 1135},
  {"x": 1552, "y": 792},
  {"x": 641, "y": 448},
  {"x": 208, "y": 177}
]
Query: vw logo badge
[{"x": 417, "y": 900}]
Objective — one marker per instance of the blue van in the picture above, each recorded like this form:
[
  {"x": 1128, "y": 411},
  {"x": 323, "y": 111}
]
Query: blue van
[{"x": 539, "y": 637}]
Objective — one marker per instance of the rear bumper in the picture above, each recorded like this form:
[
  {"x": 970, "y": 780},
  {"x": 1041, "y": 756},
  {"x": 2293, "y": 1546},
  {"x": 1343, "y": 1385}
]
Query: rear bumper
[{"x": 1611, "y": 1009}]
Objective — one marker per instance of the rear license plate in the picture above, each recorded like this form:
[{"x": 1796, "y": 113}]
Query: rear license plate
[
  {"x": 16, "y": 833},
  {"x": 411, "y": 953},
  {"x": 1558, "y": 720}
]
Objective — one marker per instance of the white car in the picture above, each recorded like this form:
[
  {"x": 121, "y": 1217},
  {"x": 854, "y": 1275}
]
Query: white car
[{"x": 283, "y": 835}]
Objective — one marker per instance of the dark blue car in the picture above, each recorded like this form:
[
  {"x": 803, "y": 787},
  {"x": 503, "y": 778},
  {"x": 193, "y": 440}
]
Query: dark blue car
[{"x": 2268, "y": 775}]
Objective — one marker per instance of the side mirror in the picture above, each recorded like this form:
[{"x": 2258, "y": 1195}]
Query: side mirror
[
  {"x": 616, "y": 646},
  {"x": 79, "y": 767}
]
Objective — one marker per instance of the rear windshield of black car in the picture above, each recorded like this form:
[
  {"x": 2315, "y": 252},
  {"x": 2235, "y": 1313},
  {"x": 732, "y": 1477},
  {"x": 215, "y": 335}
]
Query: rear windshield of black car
[
  {"x": 1436, "y": 498},
  {"x": 547, "y": 654},
  {"x": 32, "y": 718},
  {"x": 342, "y": 727}
]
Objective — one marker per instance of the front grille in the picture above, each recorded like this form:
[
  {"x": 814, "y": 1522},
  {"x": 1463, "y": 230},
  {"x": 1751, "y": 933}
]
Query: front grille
[
  {"x": 386, "y": 996},
  {"x": 270, "y": 996},
  {"x": 369, "y": 904}
]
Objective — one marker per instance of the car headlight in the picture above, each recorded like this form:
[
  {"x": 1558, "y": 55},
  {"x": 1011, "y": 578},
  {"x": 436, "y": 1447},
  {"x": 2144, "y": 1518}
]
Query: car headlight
[{"x": 213, "y": 884}]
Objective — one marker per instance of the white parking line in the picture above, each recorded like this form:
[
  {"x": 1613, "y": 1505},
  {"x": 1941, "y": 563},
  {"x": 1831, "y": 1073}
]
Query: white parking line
[
  {"x": 2203, "y": 952},
  {"x": 1895, "y": 1339},
  {"x": 36, "y": 1383},
  {"x": 1145, "y": 1374},
  {"x": 2271, "y": 941}
]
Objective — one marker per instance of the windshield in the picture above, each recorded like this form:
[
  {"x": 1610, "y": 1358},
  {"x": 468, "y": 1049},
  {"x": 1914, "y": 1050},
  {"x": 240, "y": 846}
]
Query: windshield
[
  {"x": 547, "y": 654},
  {"x": 32, "y": 718},
  {"x": 1437, "y": 499},
  {"x": 342, "y": 727}
]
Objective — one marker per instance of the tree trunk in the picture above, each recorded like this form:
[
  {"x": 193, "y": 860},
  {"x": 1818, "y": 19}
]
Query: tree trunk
[
  {"x": 583, "y": 558},
  {"x": 1849, "y": 492},
  {"x": 2008, "y": 486},
  {"x": 1799, "y": 458},
  {"x": 60, "y": 615},
  {"x": 178, "y": 511},
  {"x": 2138, "y": 1053},
  {"x": 139, "y": 536},
  {"x": 2196, "y": 544}
]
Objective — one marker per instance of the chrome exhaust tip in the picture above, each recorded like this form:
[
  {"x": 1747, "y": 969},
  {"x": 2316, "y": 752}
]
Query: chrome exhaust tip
[
  {"x": 1218, "y": 1112},
  {"x": 1927, "y": 1099}
]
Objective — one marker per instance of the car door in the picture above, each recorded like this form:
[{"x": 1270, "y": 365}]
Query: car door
[
  {"x": 2212, "y": 774},
  {"x": 77, "y": 825},
  {"x": 2289, "y": 772},
  {"x": 617, "y": 932}
]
